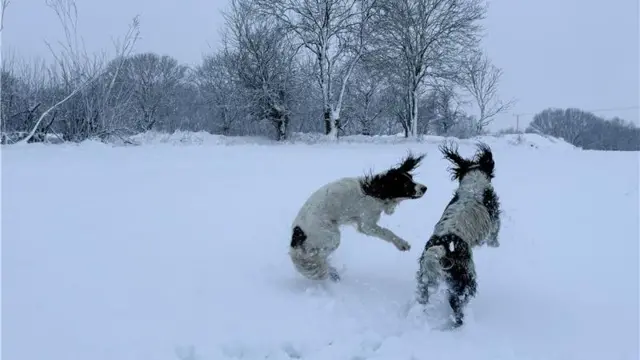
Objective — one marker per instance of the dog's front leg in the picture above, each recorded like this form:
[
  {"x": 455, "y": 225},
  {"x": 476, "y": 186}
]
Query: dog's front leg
[
  {"x": 390, "y": 207},
  {"x": 373, "y": 229}
]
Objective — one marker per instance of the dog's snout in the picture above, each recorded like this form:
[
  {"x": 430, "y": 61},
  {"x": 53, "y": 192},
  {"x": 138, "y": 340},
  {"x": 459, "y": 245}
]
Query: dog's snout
[{"x": 419, "y": 191}]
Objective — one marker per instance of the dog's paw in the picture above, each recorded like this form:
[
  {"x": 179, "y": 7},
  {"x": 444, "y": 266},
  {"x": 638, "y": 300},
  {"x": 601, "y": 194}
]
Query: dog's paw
[
  {"x": 334, "y": 275},
  {"x": 402, "y": 245}
]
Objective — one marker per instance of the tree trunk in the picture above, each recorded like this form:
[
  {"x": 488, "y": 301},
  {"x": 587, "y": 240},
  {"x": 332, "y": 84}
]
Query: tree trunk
[
  {"x": 414, "y": 114},
  {"x": 327, "y": 121},
  {"x": 331, "y": 124},
  {"x": 366, "y": 128},
  {"x": 282, "y": 125},
  {"x": 405, "y": 127}
]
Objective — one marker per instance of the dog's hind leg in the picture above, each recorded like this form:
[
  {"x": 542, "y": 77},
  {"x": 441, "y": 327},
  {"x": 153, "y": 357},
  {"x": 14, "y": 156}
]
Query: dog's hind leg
[
  {"x": 311, "y": 266},
  {"x": 422, "y": 293},
  {"x": 333, "y": 274},
  {"x": 462, "y": 287},
  {"x": 429, "y": 273},
  {"x": 310, "y": 256}
]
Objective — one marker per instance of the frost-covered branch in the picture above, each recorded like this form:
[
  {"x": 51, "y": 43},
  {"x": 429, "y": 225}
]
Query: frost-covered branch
[
  {"x": 44, "y": 114},
  {"x": 3, "y": 7},
  {"x": 98, "y": 109},
  {"x": 480, "y": 79}
]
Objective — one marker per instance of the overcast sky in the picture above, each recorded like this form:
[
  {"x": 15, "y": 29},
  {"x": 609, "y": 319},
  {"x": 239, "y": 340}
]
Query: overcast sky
[{"x": 554, "y": 53}]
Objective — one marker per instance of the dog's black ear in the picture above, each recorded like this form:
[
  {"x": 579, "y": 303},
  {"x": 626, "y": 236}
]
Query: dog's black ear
[
  {"x": 484, "y": 159},
  {"x": 461, "y": 165},
  {"x": 411, "y": 162},
  {"x": 450, "y": 152}
]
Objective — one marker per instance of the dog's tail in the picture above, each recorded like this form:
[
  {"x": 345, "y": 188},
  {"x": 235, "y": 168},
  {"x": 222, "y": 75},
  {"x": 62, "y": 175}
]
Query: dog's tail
[{"x": 430, "y": 272}]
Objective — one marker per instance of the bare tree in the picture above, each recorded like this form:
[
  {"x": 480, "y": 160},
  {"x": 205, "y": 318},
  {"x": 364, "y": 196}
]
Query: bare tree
[
  {"x": 16, "y": 112},
  {"x": 308, "y": 102},
  {"x": 224, "y": 102},
  {"x": 265, "y": 63},
  {"x": 335, "y": 32},
  {"x": 3, "y": 7},
  {"x": 447, "y": 118},
  {"x": 423, "y": 39},
  {"x": 396, "y": 105},
  {"x": 99, "y": 105},
  {"x": 154, "y": 80},
  {"x": 568, "y": 124},
  {"x": 44, "y": 114},
  {"x": 586, "y": 130},
  {"x": 367, "y": 87},
  {"x": 25, "y": 95},
  {"x": 480, "y": 78}
]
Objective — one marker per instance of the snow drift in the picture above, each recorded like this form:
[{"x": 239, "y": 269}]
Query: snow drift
[{"x": 161, "y": 252}]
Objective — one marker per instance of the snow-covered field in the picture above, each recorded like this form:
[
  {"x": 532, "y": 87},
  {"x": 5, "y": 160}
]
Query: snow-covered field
[{"x": 169, "y": 251}]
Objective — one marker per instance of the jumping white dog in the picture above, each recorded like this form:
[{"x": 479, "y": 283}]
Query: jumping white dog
[
  {"x": 471, "y": 219},
  {"x": 359, "y": 201}
]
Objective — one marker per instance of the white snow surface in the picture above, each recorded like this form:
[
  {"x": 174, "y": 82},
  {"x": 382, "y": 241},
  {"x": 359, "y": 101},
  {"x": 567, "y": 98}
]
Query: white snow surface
[{"x": 164, "y": 251}]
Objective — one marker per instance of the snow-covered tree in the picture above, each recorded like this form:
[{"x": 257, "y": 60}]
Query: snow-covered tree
[
  {"x": 335, "y": 33},
  {"x": 480, "y": 79},
  {"x": 265, "y": 63},
  {"x": 154, "y": 81},
  {"x": 423, "y": 39}
]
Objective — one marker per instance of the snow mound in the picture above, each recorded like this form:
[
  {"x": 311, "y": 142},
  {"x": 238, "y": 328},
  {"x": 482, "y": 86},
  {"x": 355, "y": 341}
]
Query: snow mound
[
  {"x": 204, "y": 138},
  {"x": 194, "y": 138},
  {"x": 200, "y": 138}
]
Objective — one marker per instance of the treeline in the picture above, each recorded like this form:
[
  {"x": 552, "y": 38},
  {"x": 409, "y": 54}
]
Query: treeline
[
  {"x": 332, "y": 66},
  {"x": 586, "y": 130}
]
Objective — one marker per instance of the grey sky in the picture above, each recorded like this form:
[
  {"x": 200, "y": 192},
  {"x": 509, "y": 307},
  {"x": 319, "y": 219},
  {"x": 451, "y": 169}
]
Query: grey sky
[{"x": 554, "y": 53}]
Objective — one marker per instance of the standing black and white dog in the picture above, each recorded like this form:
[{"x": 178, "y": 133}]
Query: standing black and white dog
[
  {"x": 353, "y": 200},
  {"x": 471, "y": 219}
]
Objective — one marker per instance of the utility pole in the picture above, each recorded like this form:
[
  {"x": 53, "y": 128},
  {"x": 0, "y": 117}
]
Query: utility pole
[{"x": 517, "y": 122}]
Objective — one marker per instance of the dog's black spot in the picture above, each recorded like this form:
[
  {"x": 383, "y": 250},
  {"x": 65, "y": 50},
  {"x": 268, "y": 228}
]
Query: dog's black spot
[
  {"x": 394, "y": 183},
  {"x": 492, "y": 203},
  {"x": 461, "y": 281},
  {"x": 298, "y": 237},
  {"x": 457, "y": 250}
]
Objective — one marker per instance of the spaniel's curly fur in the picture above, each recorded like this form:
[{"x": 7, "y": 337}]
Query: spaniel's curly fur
[{"x": 471, "y": 219}]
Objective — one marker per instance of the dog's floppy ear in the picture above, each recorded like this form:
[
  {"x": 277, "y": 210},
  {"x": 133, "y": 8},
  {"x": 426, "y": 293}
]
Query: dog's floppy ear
[
  {"x": 484, "y": 159},
  {"x": 450, "y": 152},
  {"x": 411, "y": 162},
  {"x": 461, "y": 165}
]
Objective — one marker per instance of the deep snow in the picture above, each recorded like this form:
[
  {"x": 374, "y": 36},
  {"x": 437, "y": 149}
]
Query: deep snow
[{"x": 164, "y": 251}]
